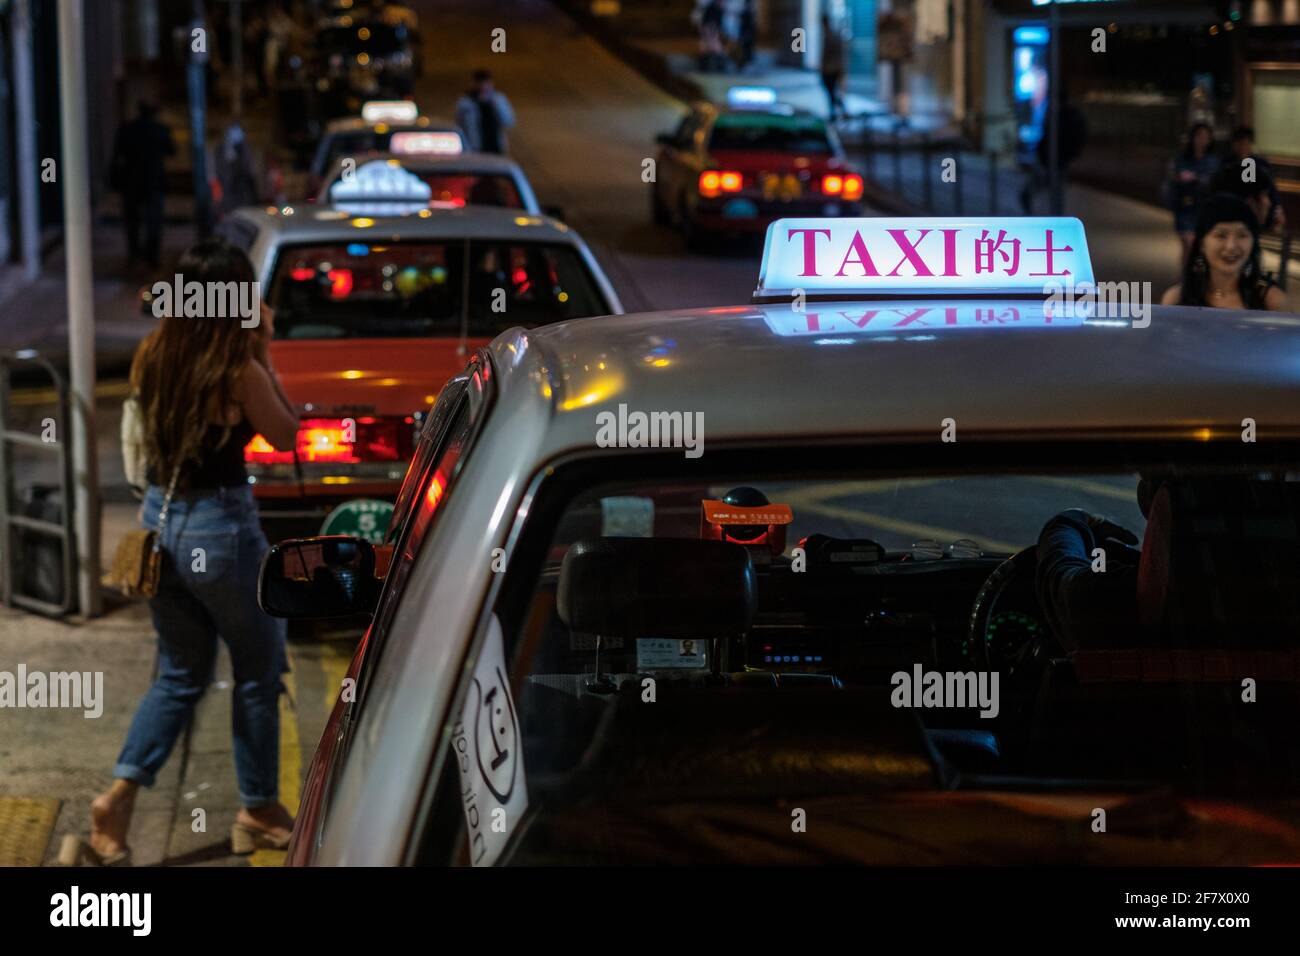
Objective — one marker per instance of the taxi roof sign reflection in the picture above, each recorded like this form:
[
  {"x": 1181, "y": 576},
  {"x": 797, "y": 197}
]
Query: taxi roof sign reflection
[
  {"x": 890, "y": 256},
  {"x": 912, "y": 318}
]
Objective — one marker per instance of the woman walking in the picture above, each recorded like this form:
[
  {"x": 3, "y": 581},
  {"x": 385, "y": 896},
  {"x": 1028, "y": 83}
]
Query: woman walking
[
  {"x": 1188, "y": 180},
  {"x": 1222, "y": 269},
  {"x": 205, "y": 386}
]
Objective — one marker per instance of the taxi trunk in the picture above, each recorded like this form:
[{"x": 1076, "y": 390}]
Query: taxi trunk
[
  {"x": 774, "y": 184},
  {"x": 361, "y": 403}
]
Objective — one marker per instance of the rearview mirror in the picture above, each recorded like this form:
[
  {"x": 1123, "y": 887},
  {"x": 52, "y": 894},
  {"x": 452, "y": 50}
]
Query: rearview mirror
[{"x": 329, "y": 576}]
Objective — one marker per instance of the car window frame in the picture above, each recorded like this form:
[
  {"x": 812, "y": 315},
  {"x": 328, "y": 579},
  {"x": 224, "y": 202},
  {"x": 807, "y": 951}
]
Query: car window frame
[
  {"x": 473, "y": 390},
  {"x": 555, "y": 484}
]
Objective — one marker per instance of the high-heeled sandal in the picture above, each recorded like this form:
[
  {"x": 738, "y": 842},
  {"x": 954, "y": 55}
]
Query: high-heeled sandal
[
  {"x": 77, "y": 851},
  {"x": 245, "y": 839}
]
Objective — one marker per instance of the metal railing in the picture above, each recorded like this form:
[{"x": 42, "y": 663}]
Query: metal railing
[{"x": 14, "y": 525}]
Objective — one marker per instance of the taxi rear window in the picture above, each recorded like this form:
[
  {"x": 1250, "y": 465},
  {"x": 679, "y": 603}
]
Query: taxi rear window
[
  {"x": 421, "y": 289},
  {"x": 761, "y": 132}
]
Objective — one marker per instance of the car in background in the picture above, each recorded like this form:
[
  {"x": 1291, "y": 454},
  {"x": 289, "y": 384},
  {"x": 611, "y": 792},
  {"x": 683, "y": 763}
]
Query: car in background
[
  {"x": 454, "y": 181},
  {"x": 374, "y": 314},
  {"x": 376, "y": 133},
  {"x": 732, "y": 170},
  {"x": 712, "y": 586}
]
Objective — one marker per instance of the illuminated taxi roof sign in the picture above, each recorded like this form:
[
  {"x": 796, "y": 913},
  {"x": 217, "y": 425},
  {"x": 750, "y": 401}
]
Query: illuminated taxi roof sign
[
  {"x": 751, "y": 96},
  {"x": 389, "y": 111},
  {"x": 426, "y": 143},
  {"x": 890, "y": 256},
  {"x": 381, "y": 187}
]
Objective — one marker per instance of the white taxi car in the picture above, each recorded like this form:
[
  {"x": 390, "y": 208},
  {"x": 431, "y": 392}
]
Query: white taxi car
[
  {"x": 384, "y": 126},
  {"x": 373, "y": 314},
  {"x": 850, "y": 574}
]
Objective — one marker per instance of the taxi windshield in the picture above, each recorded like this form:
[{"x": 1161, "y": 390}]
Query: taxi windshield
[
  {"x": 764, "y": 133},
  {"x": 723, "y": 647},
  {"x": 416, "y": 289}
]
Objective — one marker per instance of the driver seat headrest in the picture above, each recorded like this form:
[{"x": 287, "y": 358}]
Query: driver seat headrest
[
  {"x": 657, "y": 587},
  {"x": 1220, "y": 563}
]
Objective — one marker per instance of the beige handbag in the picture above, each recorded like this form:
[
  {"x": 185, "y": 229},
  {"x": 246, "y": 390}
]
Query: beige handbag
[{"x": 137, "y": 562}]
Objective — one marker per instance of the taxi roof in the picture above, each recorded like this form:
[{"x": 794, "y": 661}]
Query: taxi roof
[
  {"x": 323, "y": 223},
  {"x": 1190, "y": 368}
]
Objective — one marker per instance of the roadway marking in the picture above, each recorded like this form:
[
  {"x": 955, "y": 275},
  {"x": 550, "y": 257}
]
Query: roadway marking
[
  {"x": 814, "y": 500},
  {"x": 290, "y": 761},
  {"x": 1090, "y": 487}
]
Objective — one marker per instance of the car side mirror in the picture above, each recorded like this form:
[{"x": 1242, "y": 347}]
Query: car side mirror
[{"x": 328, "y": 576}]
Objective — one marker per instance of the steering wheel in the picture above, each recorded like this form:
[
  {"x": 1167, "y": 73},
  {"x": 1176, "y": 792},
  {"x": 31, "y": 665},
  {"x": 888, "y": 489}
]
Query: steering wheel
[{"x": 1004, "y": 646}]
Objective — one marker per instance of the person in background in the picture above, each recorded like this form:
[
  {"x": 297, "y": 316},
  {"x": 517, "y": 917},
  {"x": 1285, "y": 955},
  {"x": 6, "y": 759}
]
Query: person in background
[
  {"x": 484, "y": 115},
  {"x": 199, "y": 494},
  {"x": 832, "y": 67},
  {"x": 235, "y": 170},
  {"x": 1222, "y": 269},
  {"x": 708, "y": 18},
  {"x": 137, "y": 171},
  {"x": 1187, "y": 181},
  {"x": 748, "y": 34},
  {"x": 1070, "y": 143},
  {"x": 1250, "y": 180}
]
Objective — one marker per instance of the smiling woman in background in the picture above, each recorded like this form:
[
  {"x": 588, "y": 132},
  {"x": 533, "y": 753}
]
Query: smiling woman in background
[{"x": 1222, "y": 269}]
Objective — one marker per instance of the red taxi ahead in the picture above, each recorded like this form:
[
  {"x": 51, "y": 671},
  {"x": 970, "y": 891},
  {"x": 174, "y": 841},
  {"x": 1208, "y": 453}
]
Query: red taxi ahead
[{"x": 735, "y": 170}]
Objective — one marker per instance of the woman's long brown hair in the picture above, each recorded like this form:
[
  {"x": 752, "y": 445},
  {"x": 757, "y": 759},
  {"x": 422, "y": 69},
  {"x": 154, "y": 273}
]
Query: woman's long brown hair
[{"x": 188, "y": 368}]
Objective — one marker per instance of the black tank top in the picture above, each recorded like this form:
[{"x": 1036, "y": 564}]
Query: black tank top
[{"x": 218, "y": 465}]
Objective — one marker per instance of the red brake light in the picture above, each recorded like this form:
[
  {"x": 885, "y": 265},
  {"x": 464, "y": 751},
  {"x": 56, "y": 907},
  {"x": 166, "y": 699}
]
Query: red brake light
[
  {"x": 731, "y": 181},
  {"x": 340, "y": 283},
  {"x": 852, "y": 186},
  {"x": 259, "y": 452},
  {"x": 710, "y": 183},
  {"x": 833, "y": 185},
  {"x": 302, "y": 274}
]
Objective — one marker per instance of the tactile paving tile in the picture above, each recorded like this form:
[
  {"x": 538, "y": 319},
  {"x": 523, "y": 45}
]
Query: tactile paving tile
[{"x": 25, "y": 827}]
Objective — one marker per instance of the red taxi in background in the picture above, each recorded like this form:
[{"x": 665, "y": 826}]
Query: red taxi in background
[
  {"x": 373, "y": 314},
  {"x": 735, "y": 169}
]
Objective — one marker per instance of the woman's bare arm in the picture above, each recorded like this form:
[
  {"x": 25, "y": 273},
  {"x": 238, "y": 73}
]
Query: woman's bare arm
[{"x": 266, "y": 406}]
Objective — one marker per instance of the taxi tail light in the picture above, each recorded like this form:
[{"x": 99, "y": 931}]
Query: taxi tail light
[
  {"x": 715, "y": 182},
  {"x": 336, "y": 440},
  {"x": 853, "y": 186}
]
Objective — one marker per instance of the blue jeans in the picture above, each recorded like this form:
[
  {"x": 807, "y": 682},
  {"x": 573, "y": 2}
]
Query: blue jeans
[{"x": 202, "y": 595}]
